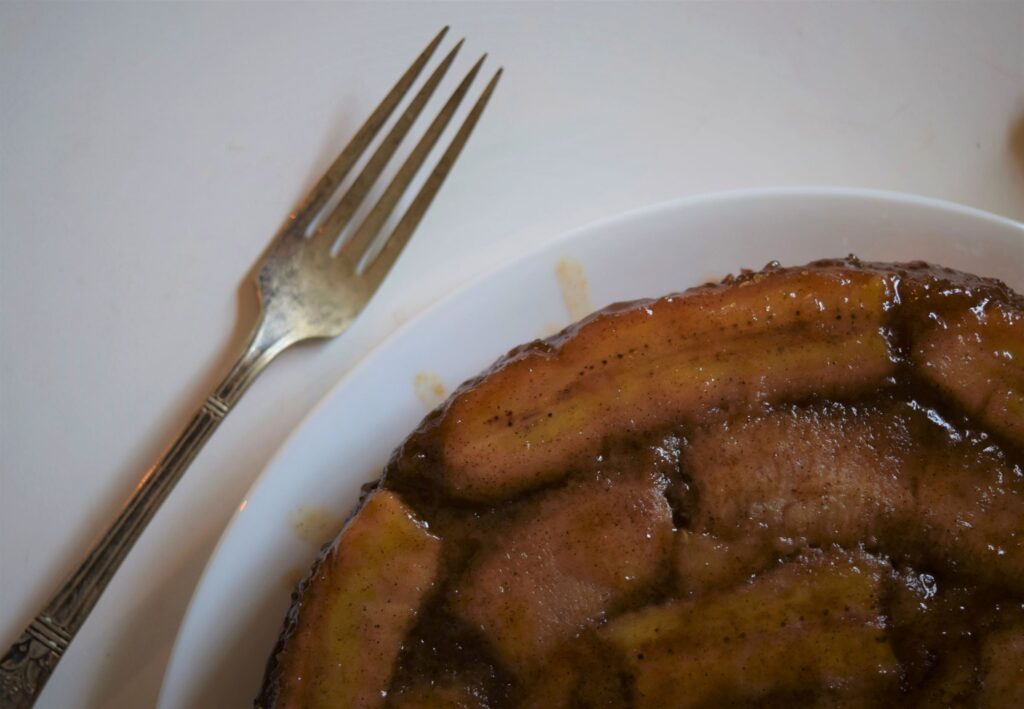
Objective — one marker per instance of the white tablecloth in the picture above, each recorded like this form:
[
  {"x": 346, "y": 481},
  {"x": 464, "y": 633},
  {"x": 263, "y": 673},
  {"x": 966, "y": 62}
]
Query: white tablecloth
[{"x": 148, "y": 152}]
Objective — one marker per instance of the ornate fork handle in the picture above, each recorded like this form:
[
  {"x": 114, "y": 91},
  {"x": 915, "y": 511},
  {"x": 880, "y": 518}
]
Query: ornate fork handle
[
  {"x": 28, "y": 663},
  {"x": 306, "y": 292}
]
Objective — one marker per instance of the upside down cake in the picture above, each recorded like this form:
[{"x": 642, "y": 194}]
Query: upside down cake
[{"x": 797, "y": 487}]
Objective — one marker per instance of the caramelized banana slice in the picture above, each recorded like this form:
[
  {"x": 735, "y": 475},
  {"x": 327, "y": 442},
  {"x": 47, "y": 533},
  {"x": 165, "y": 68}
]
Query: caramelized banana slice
[
  {"x": 554, "y": 687},
  {"x": 953, "y": 682},
  {"x": 978, "y": 360},
  {"x": 568, "y": 558},
  {"x": 835, "y": 474},
  {"x": 810, "y": 626},
  {"x": 1002, "y": 660},
  {"x": 439, "y": 695},
  {"x": 772, "y": 336},
  {"x": 970, "y": 513},
  {"x": 360, "y": 602},
  {"x": 705, "y": 563},
  {"x": 582, "y": 673},
  {"x": 822, "y": 475}
]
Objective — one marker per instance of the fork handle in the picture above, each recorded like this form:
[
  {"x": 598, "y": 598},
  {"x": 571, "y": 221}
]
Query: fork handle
[{"x": 28, "y": 663}]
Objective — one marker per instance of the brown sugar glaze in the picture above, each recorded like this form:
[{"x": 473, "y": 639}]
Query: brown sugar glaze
[{"x": 889, "y": 483}]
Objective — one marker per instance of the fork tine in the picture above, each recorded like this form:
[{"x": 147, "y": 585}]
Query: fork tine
[
  {"x": 382, "y": 263},
  {"x": 355, "y": 194},
  {"x": 322, "y": 191},
  {"x": 371, "y": 226}
]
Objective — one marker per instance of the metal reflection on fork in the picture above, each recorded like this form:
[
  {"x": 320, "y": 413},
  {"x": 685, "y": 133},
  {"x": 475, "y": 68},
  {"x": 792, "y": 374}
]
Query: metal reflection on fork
[{"x": 308, "y": 289}]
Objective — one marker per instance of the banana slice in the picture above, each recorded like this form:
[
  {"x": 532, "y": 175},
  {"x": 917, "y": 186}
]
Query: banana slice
[
  {"x": 704, "y": 562},
  {"x": 770, "y": 337},
  {"x": 439, "y": 695},
  {"x": 812, "y": 628},
  {"x": 977, "y": 358},
  {"x": 1003, "y": 667},
  {"x": 571, "y": 556},
  {"x": 358, "y": 605},
  {"x": 822, "y": 474}
]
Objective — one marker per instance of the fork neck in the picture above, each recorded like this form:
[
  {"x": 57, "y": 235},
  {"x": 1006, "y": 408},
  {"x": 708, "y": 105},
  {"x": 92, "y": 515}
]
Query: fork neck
[{"x": 268, "y": 339}]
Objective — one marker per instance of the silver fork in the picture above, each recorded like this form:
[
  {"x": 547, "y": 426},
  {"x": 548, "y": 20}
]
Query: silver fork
[{"x": 306, "y": 291}]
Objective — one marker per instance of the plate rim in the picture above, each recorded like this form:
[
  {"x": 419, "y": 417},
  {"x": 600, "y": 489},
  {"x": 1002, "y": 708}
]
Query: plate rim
[{"x": 559, "y": 240}]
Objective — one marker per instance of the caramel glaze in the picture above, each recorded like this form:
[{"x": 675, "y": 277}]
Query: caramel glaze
[{"x": 943, "y": 523}]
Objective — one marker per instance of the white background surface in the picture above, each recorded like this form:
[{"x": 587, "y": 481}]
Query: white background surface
[{"x": 147, "y": 154}]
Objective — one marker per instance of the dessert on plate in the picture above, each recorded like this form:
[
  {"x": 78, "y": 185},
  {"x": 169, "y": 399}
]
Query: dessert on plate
[{"x": 797, "y": 487}]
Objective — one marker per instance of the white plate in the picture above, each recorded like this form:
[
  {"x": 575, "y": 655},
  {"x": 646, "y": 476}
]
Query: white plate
[{"x": 239, "y": 604}]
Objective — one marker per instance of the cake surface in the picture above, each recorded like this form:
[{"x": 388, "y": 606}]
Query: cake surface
[{"x": 798, "y": 487}]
